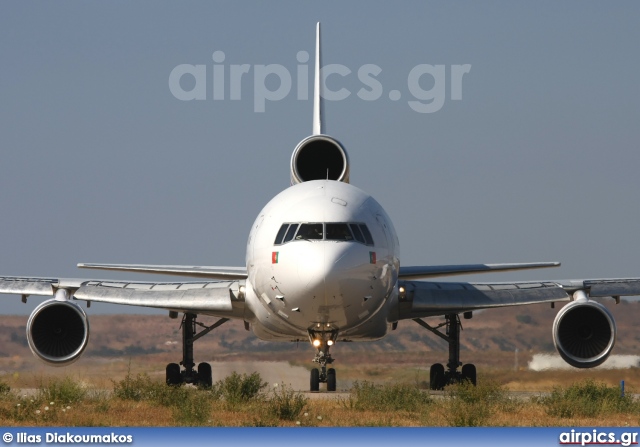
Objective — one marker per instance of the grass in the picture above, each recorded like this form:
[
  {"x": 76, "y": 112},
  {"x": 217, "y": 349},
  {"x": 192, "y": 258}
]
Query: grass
[
  {"x": 64, "y": 391},
  {"x": 588, "y": 399},
  {"x": 286, "y": 404},
  {"x": 239, "y": 388},
  {"x": 52, "y": 399},
  {"x": 243, "y": 400},
  {"x": 466, "y": 405},
  {"x": 396, "y": 396},
  {"x": 195, "y": 407}
]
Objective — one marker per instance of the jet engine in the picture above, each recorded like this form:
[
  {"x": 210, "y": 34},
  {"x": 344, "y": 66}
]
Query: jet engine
[
  {"x": 319, "y": 157},
  {"x": 58, "y": 332},
  {"x": 584, "y": 333}
]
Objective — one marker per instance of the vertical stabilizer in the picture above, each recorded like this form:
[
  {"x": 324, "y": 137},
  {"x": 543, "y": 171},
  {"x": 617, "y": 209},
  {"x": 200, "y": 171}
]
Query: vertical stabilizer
[
  {"x": 319, "y": 156},
  {"x": 318, "y": 114}
]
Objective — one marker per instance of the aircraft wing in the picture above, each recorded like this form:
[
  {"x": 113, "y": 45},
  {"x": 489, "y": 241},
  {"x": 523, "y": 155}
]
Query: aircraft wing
[
  {"x": 426, "y": 298},
  {"x": 210, "y": 272},
  {"x": 430, "y": 271},
  {"x": 222, "y": 298}
]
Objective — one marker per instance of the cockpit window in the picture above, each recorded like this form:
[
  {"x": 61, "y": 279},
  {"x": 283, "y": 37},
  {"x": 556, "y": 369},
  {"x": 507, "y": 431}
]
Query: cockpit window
[
  {"x": 367, "y": 234},
  {"x": 330, "y": 231},
  {"x": 281, "y": 232},
  {"x": 290, "y": 233},
  {"x": 310, "y": 231},
  {"x": 357, "y": 233},
  {"x": 338, "y": 232}
]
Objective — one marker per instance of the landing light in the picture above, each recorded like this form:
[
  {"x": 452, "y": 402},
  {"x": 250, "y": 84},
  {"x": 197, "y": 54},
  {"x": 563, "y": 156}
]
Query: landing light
[
  {"x": 330, "y": 343},
  {"x": 316, "y": 343}
]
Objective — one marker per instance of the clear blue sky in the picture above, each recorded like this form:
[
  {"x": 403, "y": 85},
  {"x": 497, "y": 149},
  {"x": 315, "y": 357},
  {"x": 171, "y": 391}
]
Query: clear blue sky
[{"x": 539, "y": 160}]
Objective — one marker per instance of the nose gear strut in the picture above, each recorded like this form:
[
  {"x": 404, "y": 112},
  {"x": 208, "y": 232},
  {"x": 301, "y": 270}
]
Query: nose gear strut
[{"x": 322, "y": 341}]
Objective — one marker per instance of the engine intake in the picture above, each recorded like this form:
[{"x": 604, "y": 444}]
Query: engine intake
[
  {"x": 319, "y": 157},
  {"x": 584, "y": 333},
  {"x": 58, "y": 332}
]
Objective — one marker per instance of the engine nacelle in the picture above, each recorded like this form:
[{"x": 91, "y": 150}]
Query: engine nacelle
[
  {"x": 58, "y": 332},
  {"x": 319, "y": 157},
  {"x": 584, "y": 333}
]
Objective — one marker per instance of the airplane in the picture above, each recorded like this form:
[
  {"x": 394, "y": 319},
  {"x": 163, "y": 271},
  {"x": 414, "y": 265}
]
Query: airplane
[{"x": 323, "y": 265}]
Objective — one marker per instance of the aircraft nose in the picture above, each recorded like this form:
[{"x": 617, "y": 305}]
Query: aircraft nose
[
  {"x": 330, "y": 275},
  {"x": 312, "y": 268},
  {"x": 322, "y": 267}
]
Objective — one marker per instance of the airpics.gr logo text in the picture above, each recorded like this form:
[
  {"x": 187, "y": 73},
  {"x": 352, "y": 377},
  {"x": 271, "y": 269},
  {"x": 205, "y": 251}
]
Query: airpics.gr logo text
[{"x": 274, "y": 82}]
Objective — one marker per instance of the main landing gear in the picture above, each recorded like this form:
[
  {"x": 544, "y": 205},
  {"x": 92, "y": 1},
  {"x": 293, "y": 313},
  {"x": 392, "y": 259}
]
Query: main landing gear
[
  {"x": 322, "y": 341},
  {"x": 438, "y": 376},
  {"x": 203, "y": 375}
]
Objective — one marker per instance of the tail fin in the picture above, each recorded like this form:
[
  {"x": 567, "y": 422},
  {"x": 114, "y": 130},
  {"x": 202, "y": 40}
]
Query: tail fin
[
  {"x": 319, "y": 156},
  {"x": 318, "y": 112}
]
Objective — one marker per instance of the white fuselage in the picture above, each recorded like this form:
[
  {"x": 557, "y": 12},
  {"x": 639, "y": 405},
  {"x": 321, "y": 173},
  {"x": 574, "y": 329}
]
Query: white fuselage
[{"x": 326, "y": 282}]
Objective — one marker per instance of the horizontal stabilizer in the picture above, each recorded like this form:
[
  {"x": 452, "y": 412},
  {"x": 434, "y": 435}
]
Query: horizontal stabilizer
[
  {"x": 210, "y": 272},
  {"x": 430, "y": 271}
]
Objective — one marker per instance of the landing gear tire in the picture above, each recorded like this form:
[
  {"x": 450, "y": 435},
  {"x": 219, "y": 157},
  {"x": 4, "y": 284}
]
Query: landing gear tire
[
  {"x": 436, "y": 376},
  {"x": 331, "y": 379},
  {"x": 188, "y": 373},
  {"x": 469, "y": 373},
  {"x": 173, "y": 376},
  {"x": 314, "y": 383},
  {"x": 205, "y": 377}
]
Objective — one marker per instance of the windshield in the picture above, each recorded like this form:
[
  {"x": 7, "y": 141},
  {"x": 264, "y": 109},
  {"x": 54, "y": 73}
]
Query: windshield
[
  {"x": 312, "y": 231},
  {"x": 338, "y": 232},
  {"x": 329, "y": 231}
]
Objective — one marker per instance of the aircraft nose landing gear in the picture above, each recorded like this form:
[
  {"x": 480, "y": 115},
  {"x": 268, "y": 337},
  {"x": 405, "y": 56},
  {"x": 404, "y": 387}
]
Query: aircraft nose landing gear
[{"x": 322, "y": 341}]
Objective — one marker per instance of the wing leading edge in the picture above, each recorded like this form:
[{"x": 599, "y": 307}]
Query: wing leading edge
[
  {"x": 420, "y": 299},
  {"x": 197, "y": 297},
  {"x": 219, "y": 298}
]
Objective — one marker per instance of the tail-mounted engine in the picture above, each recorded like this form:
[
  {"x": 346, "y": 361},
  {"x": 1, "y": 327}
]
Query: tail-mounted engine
[
  {"x": 319, "y": 157},
  {"x": 584, "y": 333},
  {"x": 58, "y": 332}
]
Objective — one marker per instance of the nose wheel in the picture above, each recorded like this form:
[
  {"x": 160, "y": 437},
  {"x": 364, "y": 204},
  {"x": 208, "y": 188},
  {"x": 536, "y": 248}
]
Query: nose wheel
[
  {"x": 323, "y": 375},
  {"x": 322, "y": 341},
  {"x": 314, "y": 385}
]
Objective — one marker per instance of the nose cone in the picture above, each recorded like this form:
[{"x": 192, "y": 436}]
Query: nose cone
[
  {"x": 312, "y": 266},
  {"x": 322, "y": 267},
  {"x": 333, "y": 281}
]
